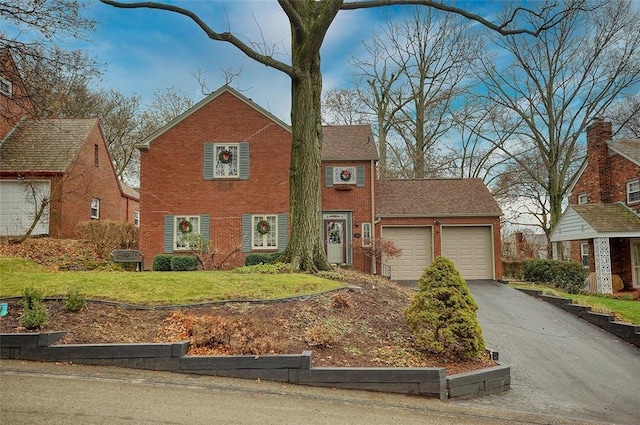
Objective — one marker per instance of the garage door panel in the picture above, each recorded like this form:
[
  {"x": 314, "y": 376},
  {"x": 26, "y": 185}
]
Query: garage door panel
[
  {"x": 18, "y": 207},
  {"x": 416, "y": 244},
  {"x": 471, "y": 250}
]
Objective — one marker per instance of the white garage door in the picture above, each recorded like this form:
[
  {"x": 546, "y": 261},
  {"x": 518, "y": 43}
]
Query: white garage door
[
  {"x": 415, "y": 243},
  {"x": 18, "y": 200},
  {"x": 470, "y": 249}
]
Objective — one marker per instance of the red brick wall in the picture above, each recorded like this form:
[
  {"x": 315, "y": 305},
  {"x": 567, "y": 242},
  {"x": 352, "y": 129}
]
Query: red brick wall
[
  {"x": 437, "y": 234},
  {"x": 13, "y": 107},
  {"x": 84, "y": 181},
  {"x": 172, "y": 179}
]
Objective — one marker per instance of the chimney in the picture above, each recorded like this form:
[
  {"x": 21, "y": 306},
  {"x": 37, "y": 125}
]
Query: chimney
[{"x": 598, "y": 134}]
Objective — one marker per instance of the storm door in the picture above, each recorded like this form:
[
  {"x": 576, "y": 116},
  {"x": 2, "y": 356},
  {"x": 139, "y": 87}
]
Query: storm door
[{"x": 334, "y": 241}]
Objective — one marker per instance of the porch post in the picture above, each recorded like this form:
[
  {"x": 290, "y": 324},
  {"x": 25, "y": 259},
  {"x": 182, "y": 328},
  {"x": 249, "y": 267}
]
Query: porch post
[{"x": 602, "y": 256}]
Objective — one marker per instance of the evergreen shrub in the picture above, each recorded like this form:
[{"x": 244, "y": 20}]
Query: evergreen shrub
[{"x": 162, "y": 263}]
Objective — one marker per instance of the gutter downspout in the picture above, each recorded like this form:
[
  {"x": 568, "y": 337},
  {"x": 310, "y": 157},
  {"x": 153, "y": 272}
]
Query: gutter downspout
[{"x": 373, "y": 213}]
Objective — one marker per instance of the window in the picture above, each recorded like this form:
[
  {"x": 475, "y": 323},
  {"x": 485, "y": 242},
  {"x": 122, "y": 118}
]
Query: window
[
  {"x": 187, "y": 233},
  {"x": 366, "y": 234},
  {"x": 582, "y": 198},
  {"x": 95, "y": 208},
  {"x": 226, "y": 160},
  {"x": 584, "y": 254},
  {"x": 344, "y": 175},
  {"x": 265, "y": 232},
  {"x": 633, "y": 191},
  {"x": 136, "y": 218},
  {"x": 6, "y": 87}
]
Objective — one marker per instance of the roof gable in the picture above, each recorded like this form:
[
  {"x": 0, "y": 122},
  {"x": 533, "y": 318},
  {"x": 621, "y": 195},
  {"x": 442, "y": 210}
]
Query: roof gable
[
  {"x": 587, "y": 221},
  {"x": 348, "y": 142},
  {"x": 628, "y": 148},
  {"x": 145, "y": 144},
  {"x": 436, "y": 197},
  {"x": 44, "y": 145}
]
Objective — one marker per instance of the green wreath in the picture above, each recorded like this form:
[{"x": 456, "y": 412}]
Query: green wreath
[
  {"x": 225, "y": 156},
  {"x": 185, "y": 226},
  {"x": 263, "y": 227}
]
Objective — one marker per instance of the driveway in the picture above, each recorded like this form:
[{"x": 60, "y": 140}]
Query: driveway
[{"x": 560, "y": 364}]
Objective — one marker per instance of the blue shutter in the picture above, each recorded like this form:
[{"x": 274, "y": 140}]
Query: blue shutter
[
  {"x": 204, "y": 231},
  {"x": 208, "y": 161},
  {"x": 168, "y": 234},
  {"x": 283, "y": 237},
  {"x": 243, "y": 161},
  {"x": 328, "y": 176},
  {"x": 246, "y": 232},
  {"x": 360, "y": 176}
]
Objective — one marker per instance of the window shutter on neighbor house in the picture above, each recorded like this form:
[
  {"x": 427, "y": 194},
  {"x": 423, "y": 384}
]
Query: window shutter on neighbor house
[
  {"x": 243, "y": 161},
  {"x": 168, "y": 234},
  {"x": 283, "y": 237},
  {"x": 208, "y": 161},
  {"x": 246, "y": 232},
  {"x": 360, "y": 176},
  {"x": 328, "y": 176},
  {"x": 204, "y": 231}
]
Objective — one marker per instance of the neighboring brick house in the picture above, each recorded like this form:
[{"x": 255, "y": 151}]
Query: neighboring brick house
[
  {"x": 64, "y": 161},
  {"x": 603, "y": 216},
  {"x": 221, "y": 170}
]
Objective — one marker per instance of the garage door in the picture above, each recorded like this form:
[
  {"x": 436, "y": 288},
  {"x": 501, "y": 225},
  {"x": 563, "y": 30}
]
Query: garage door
[
  {"x": 470, "y": 249},
  {"x": 415, "y": 243},
  {"x": 18, "y": 207}
]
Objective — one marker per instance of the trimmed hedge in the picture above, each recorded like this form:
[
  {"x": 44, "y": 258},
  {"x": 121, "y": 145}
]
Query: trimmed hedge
[
  {"x": 255, "y": 259},
  {"x": 567, "y": 275},
  {"x": 184, "y": 263},
  {"x": 513, "y": 269},
  {"x": 162, "y": 263}
]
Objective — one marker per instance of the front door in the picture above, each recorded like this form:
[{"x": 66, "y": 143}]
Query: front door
[
  {"x": 635, "y": 263},
  {"x": 334, "y": 240}
]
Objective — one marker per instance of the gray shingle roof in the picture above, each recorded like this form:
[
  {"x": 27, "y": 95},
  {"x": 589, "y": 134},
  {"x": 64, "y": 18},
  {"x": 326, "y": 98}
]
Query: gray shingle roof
[
  {"x": 436, "y": 197},
  {"x": 44, "y": 145},
  {"x": 608, "y": 218},
  {"x": 629, "y": 148},
  {"x": 348, "y": 142}
]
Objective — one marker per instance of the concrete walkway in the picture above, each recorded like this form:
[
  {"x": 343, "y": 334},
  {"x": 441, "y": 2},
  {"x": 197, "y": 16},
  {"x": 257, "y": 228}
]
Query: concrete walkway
[{"x": 560, "y": 364}]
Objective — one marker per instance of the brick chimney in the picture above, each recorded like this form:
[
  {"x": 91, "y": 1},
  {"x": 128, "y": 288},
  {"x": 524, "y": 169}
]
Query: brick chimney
[{"x": 598, "y": 134}]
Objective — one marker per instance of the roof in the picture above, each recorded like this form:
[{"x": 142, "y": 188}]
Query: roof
[
  {"x": 348, "y": 142},
  {"x": 224, "y": 89},
  {"x": 44, "y": 145},
  {"x": 436, "y": 197},
  {"x": 587, "y": 221},
  {"x": 629, "y": 148}
]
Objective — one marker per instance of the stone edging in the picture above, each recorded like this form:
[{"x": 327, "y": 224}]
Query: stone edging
[
  {"x": 625, "y": 331},
  {"x": 294, "y": 369}
]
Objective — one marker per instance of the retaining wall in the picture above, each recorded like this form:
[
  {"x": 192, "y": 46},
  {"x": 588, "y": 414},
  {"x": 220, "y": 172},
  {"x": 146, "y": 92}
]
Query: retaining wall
[
  {"x": 625, "y": 331},
  {"x": 294, "y": 369}
]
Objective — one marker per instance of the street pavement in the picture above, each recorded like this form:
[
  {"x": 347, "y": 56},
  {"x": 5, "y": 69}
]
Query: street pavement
[{"x": 560, "y": 364}]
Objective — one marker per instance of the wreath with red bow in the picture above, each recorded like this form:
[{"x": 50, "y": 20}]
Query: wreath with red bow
[
  {"x": 185, "y": 226},
  {"x": 225, "y": 156},
  {"x": 345, "y": 175},
  {"x": 263, "y": 227}
]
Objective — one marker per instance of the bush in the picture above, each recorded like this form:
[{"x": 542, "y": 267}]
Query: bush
[
  {"x": 255, "y": 259},
  {"x": 569, "y": 275},
  {"x": 537, "y": 271},
  {"x": 75, "y": 300},
  {"x": 442, "y": 314},
  {"x": 513, "y": 269},
  {"x": 34, "y": 312},
  {"x": 162, "y": 263},
  {"x": 107, "y": 235},
  {"x": 184, "y": 263}
]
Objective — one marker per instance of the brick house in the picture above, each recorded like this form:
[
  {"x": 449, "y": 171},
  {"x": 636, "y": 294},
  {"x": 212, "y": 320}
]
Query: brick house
[
  {"x": 602, "y": 220},
  {"x": 221, "y": 170},
  {"x": 65, "y": 161}
]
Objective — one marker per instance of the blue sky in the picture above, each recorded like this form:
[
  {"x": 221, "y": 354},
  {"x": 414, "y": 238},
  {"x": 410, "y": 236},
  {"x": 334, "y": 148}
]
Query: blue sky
[{"x": 145, "y": 50}]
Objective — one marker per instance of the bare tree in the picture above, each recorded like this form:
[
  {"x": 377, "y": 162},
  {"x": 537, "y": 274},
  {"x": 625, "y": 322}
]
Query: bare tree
[
  {"x": 343, "y": 106},
  {"x": 309, "y": 21},
  {"x": 554, "y": 85},
  {"x": 625, "y": 117}
]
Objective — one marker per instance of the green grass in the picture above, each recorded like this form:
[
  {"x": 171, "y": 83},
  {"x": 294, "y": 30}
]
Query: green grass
[
  {"x": 629, "y": 310},
  {"x": 158, "y": 288}
]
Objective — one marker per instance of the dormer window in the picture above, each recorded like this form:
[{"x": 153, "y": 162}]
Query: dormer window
[
  {"x": 633, "y": 191},
  {"x": 6, "y": 87},
  {"x": 344, "y": 175}
]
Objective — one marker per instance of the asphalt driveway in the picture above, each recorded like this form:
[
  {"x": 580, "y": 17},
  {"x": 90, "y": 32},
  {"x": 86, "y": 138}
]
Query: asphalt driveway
[{"x": 560, "y": 364}]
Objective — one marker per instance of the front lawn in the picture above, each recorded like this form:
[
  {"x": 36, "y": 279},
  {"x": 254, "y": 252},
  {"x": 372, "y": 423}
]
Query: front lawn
[
  {"x": 628, "y": 310},
  {"x": 158, "y": 288}
]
